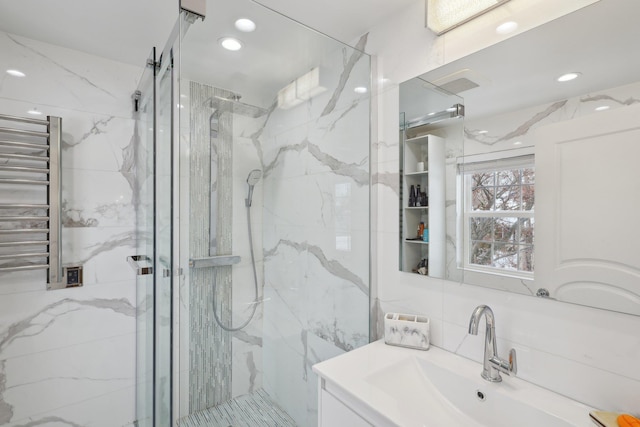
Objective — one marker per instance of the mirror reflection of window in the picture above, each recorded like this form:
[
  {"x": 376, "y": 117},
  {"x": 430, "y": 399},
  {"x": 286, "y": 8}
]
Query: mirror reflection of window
[{"x": 499, "y": 215}]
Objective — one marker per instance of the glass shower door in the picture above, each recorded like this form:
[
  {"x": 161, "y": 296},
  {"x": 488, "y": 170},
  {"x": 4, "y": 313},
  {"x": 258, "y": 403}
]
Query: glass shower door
[
  {"x": 163, "y": 238},
  {"x": 154, "y": 226},
  {"x": 142, "y": 261}
]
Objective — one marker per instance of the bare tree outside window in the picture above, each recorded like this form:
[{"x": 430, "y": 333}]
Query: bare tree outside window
[{"x": 500, "y": 219}]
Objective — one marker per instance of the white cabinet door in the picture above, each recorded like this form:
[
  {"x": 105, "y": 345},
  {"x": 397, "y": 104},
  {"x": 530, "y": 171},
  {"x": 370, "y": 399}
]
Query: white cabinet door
[
  {"x": 587, "y": 231},
  {"x": 334, "y": 413}
]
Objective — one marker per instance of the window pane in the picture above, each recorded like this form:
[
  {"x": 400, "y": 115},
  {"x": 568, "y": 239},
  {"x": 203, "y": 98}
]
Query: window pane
[
  {"x": 502, "y": 243},
  {"x": 509, "y": 177},
  {"x": 483, "y": 198},
  {"x": 528, "y": 176},
  {"x": 526, "y": 230},
  {"x": 526, "y": 258},
  {"x": 505, "y": 256},
  {"x": 485, "y": 179},
  {"x": 508, "y": 198},
  {"x": 528, "y": 197},
  {"x": 506, "y": 229},
  {"x": 480, "y": 253},
  {"x": 481, "y": 229}
]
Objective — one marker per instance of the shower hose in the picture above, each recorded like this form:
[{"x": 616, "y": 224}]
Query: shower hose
[{"x": 255, "y": 285}]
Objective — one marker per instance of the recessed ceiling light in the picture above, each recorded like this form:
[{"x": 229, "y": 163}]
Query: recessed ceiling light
[
  {"x": 35, "y": 112},
  {"x": 517, "y": 143},
  {"x": 507, "y": 27},
  {"x": 482, "y": 132},
  {"x": 602, "y": 108},
  {"x": 245, "y": 25},
  {"x": 230, "y": 43},
  {"x": 568, "y": 77},
  {"x": 360, "y": 89},
  {"x": 16, "y": 73}
]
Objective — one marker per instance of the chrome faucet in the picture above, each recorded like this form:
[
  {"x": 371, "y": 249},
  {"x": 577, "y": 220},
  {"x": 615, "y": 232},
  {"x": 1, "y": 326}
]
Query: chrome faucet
[{"x": 492, "y": 364}]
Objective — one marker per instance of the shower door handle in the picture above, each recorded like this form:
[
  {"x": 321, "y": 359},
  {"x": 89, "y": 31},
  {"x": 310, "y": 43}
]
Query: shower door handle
[
  {"x": 214, "y": 261},
  {"x": 166, "y": 271},
  {"x": 141, "y": 264}
]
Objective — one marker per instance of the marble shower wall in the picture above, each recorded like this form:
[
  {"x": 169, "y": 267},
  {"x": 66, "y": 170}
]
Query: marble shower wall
[
  {"x": 215, "y": 365},
  {"x": 67, "y": 357},
  {"x": 315, "y": 159}
]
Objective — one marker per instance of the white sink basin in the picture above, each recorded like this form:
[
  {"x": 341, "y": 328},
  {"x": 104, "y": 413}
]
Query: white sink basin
[{"x": 402, "y": 387}]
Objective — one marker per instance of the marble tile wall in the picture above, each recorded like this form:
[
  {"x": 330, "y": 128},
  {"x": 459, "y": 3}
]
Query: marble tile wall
[
  {"x": 588, "y": 354},
  {"x": 316, "y": 233},
  {"x": 240, "y": 369},
  {"x": 67, "y": 357}
]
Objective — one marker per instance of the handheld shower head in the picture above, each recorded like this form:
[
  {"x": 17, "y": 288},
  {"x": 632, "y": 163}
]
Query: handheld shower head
[{"x": 253, "y": 178}]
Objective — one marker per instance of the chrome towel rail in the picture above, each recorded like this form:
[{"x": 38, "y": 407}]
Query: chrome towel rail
[
  {"x": 21, "y": 145},
  {"x": 24, "y": 230},
  {"x": 24, "y": 157},
  {"x": 22, "y": 206},
  {"x": 24, "y": 120},
  {"x": 24, "y": 218}
]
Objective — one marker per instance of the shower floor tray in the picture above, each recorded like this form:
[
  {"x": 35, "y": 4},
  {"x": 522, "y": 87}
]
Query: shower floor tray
[{"x": 250, "y": 410}]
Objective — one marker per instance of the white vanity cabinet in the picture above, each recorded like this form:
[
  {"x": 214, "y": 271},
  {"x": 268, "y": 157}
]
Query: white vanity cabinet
[{"x": 334, "y": 413}]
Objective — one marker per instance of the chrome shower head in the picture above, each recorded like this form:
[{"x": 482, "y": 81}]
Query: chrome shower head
[
  {"x": 252, "y": 180},
  {"x": 232, "y": 104}
]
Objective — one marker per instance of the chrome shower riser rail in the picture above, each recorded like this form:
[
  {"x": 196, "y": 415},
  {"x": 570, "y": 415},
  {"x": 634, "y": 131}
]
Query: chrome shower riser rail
[{"x": 47, "y": 143}]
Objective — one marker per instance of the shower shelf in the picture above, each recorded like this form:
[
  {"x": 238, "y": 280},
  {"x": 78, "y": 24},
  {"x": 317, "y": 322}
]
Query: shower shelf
[{"x": 214, "y": 261}]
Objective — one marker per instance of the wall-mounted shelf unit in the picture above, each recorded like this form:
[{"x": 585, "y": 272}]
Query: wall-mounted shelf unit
[{"x": 430, "y": 210}]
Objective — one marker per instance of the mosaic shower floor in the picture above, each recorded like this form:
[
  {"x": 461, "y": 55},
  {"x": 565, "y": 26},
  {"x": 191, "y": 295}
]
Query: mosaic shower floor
[{"x": 250, "y": 410}]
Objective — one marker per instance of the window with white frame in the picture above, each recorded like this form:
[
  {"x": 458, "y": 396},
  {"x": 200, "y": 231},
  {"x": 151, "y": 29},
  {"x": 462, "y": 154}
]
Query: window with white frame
[{"x": 499, "y": 199}]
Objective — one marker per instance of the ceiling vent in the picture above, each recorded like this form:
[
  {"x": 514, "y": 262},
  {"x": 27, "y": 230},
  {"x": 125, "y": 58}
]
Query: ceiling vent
[
  {"x": 461, "y": 81},
  {"x": 459, "y": 85}
]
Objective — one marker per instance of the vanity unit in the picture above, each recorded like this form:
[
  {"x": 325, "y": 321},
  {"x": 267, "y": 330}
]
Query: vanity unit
[{"x": 383, "y": 386}]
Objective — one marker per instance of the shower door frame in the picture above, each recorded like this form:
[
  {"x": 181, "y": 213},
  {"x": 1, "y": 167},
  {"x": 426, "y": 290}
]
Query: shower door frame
[{"x": 159, "y": 242}]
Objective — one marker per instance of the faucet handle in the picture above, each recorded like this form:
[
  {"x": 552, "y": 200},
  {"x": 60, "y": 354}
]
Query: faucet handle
[
  {"x": 513, "y": 362},
  {"x": 509, "y": 367}
]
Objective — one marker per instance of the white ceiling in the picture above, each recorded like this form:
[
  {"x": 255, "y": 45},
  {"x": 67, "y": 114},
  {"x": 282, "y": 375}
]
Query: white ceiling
[
  {"x": 344, "y": 20},
  {"x": 126, "y": 30}
]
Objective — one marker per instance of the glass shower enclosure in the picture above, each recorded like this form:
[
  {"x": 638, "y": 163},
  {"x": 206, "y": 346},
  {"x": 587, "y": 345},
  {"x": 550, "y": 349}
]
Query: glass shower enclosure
[{"x": 254, "y": 216}]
